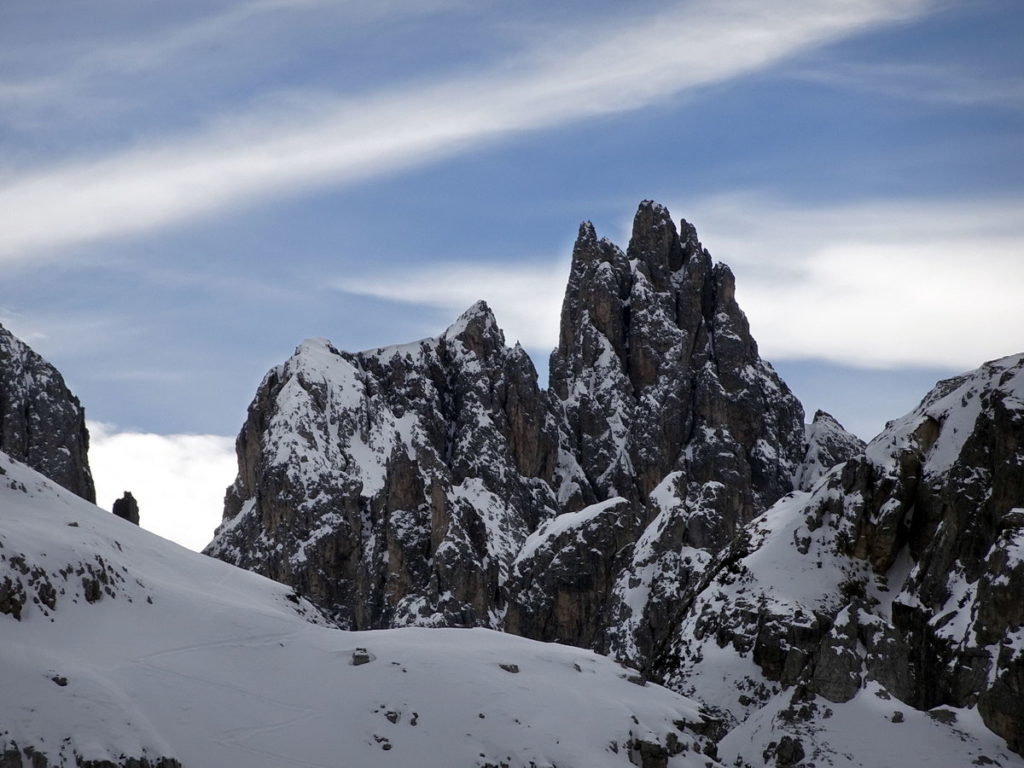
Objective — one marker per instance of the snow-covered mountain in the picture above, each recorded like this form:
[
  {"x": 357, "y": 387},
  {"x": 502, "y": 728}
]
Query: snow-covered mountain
[
  {"x": 119, "y": 649},
  {"x": 396, "y": 486},
  {"x": 436, "y": 484},
  {"x": 888, "y": 597},
  {"x": 806, "y": 599},
  {"x": 662, "y": 502}
]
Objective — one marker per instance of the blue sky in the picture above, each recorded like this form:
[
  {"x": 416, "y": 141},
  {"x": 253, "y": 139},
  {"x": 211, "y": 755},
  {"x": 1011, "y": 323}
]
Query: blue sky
[{"x": 188, "y": 190}]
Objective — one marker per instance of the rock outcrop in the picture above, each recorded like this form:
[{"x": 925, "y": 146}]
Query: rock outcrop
[
  {"x": 899, "y": 573},
  {"x": 395, "y": 486},
  {"x": 127, "y": 508},
  {"x": 41, "y": 423}
]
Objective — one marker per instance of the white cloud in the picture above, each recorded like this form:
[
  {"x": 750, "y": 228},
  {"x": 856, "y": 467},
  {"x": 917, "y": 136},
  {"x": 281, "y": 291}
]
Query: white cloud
[
  {"x": 888, "y": 283},
  {"x": 883, "y": 284},
  {"x": 337, "y": 140},
  {"x": 944, "y": 83},
  {"x": 178, "y": 480}
]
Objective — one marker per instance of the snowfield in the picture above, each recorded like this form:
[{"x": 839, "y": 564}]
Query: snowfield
[{"x": 115, "y": 644}]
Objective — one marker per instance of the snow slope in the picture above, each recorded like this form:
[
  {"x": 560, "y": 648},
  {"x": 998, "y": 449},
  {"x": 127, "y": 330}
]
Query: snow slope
[{"x": 115, "y": 644}]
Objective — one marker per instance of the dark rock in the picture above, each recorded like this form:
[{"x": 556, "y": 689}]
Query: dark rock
[
  {"x": 41, "y": 423},
  {"x": 127, "y": 508},
  {"x": 915, "y": 546},
  {"x": 11, "y": 756},
  {"x": 790, "y": 751},
  {"x": 648, "y": 754},
  {"x": 388, "y": 486}
]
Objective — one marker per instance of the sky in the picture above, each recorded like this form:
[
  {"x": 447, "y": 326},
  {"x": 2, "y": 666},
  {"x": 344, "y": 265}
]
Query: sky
[{"x": 190, "y": 189}]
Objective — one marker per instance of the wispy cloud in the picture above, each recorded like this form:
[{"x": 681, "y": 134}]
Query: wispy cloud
[
  {"x": 944, "y": 83},
  {"x": 885, "y": 284},
  {"x": 337, "y": 140},
  {"x": 178, "y": 480},
  {"x": 220, "y": 25},
  {"x": 67, "y": 333}
]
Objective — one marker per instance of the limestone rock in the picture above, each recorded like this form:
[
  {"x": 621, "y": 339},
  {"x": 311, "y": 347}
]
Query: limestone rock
[
  {"x": 127, "y": 508},
  {"x": 41, "y": 423},
  {"x": 395, "y": 486},
  {"x": 900, "y": 570}
]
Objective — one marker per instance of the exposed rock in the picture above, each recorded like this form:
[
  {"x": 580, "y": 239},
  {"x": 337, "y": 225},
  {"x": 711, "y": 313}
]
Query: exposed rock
[
  {"x": 127, "y": 508},
  {"x": 901, "y": 569},
  {"x": 828, "y": 444},
  {"x": 11, "y": 756},
  {"x": 41, "y": 423},
  {"x": 395, "y": 486},
  {"x": 668, "y": 406},
  {"x": 789, "y": 751}
]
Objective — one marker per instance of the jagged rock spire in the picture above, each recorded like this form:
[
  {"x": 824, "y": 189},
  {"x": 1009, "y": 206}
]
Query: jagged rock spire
[{"x": 653, "y": 350}]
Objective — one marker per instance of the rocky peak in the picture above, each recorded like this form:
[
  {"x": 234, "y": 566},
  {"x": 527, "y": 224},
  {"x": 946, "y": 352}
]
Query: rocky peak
[
  {"x": 394, "y": 486},
  {"x": 668, "y": 407},
  {"x": 654, "y": 244},
  {"x": 828, "y": 444},
  {"x": 41, "y": 423},
  {"x": 653, "y": 348},
  {"x": 477, "y": 331}
]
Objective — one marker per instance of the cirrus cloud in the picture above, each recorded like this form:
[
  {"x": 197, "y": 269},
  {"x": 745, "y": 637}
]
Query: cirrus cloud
[{"x": 333, "y": 139}]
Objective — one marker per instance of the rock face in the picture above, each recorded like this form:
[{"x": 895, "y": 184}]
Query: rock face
[
  {"x": 41, "y": 423},
  {"x": 668, "y": 406},
  {"x": 899, "y": 574},
  {"x": 395, "y": 486},
  {"x": 127, "y": 508}
]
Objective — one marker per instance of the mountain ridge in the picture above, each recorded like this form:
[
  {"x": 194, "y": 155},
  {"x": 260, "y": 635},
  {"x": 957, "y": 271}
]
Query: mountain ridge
[{"x": 665, "y": 505}]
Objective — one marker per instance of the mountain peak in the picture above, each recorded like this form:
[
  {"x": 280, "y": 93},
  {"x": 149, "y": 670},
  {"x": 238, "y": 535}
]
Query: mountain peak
[
  {"x": 478, "y": 330},
  {"x": 655, "y": 240}
]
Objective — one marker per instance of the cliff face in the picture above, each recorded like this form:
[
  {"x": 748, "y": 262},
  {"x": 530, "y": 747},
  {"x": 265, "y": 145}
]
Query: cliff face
[
  {"x": 395, "y": 486},
  {"x": 897, "y": 577},
  {"x": 41, "y": 423}
]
